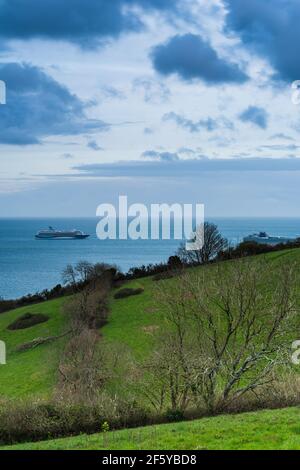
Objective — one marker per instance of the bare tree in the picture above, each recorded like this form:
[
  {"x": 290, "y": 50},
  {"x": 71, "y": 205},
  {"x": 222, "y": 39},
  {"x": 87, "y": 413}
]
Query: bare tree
[
  {"x": 84, "y": 272},
  {"x": 86, "y": 365},
  {"x": 168, "y": 369},
  {"x": 228, "y": 329},
  {"x": 89, "y": 307},
  {"x": 83, "y": 368},
  {"x": 69, "y": 275},
  {"x": 77, "y": 275},
  {"x": 213, "y": 243},
  {"x": 171, "y": 362}
]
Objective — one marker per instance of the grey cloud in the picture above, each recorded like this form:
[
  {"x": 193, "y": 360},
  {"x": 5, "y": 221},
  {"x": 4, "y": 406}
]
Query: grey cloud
[
  {"x": 37, "y": 106},
  {"x": 110, "y": 92},
  {"x": 271, "y": 29},
  {"x": 148, "y": 131},
  {"x": 85, "y": 23},
  {"x": 209, "y": 124},
  {"x": 281, "y": 136},
  {"x": 161, "y": 156},
  {"x": 255, "y": 115},
  {"x": 92, "y": 144},
  {"x": 190, "y": 57},
  {"x": 281, "y": 147},
  {"x": 191, "y": 167},
  {"x": 154, "y": 92}
]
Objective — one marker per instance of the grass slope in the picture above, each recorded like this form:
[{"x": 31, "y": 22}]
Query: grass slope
[
  {"x": 269, "y": 430},
  {"x": 31, "y": 373},
  {"x": 133, "y": 320},
  {"x": 131, "y": 323}
]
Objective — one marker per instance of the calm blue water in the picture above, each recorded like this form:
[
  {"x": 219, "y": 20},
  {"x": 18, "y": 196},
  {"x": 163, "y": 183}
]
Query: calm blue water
[{"x": 28, "y": 265}]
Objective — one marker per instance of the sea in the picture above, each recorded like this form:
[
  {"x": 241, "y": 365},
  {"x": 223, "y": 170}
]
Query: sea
[{"x": 29, "y": 265}]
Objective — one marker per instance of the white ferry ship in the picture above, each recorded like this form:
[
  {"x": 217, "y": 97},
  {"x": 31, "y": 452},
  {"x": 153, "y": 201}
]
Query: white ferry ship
[
  {"x": 265, "y": 239},
  {"x": 52, "y": 234}
]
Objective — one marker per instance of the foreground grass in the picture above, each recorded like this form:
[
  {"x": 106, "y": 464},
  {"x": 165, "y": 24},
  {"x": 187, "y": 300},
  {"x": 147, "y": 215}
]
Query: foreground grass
[{"x": 270, "y": 430}]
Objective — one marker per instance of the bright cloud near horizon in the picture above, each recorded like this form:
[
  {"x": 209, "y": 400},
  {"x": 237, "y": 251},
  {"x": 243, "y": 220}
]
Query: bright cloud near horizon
[{"x": 165, "y": 101}]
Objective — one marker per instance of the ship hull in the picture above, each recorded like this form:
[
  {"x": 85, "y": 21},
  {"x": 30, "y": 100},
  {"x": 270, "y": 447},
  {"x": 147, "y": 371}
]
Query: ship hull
[
  {"x": 269, "y": 240},
  {"x": 61, "y": 237}
]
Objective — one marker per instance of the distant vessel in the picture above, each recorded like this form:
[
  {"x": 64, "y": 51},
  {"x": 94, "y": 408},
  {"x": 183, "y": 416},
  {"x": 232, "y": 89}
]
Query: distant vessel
[
  {"x": 265, "y": 239},
  {"x": 52, "y": 234}
]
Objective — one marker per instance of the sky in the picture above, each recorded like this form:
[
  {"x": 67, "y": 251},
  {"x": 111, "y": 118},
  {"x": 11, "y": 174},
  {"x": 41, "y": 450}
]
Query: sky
[{"x": 187, "y": 101}]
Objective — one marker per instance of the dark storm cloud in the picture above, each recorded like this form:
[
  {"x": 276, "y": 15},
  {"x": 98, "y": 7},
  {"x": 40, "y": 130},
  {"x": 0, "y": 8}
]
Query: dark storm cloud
[
  {"x": 37, "y": 106},
  {"x": 79, "y": 21},
  {"x": 255, "y": 115},
  {"x": 271, "y": 29},
  {"x": 190, "y": 57}
]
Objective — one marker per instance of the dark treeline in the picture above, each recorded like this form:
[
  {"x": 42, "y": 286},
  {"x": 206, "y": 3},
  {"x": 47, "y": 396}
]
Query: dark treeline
[
  {"x": 30, "y": 299},
  {"x": 251, "y": 249}
]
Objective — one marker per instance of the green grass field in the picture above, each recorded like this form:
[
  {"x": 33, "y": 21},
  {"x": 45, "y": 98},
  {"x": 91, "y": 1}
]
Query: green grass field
[
  {"x": 269, "y": 430},
  {"x": 31, "y": 373}
]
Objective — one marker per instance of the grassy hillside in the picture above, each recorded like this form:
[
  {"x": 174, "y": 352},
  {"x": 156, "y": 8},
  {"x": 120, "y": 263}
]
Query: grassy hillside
[
  {"x": 269, "y": 430},
  {"x": 31, "y": 373},
  {"x": 132, "y": 322}
]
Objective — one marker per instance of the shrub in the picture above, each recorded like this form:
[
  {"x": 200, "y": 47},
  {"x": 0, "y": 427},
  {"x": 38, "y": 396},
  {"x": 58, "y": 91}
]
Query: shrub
[
  {"x": 30, "y": 299},
  {"x": 174, "y": 416},
  {"x": 165, "y": 275},
  {"x": 27, "y": 321},
  {"x": 89, "y": 308},
  {"x": 127, "y": 292},
  {"x": 144, "y": 271},
  {"x": 41, "y": 420},
  {"x": 174, "y": 262},
  {"x": 27, "y": 422},
  {"x": 118, "y": 283}
]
